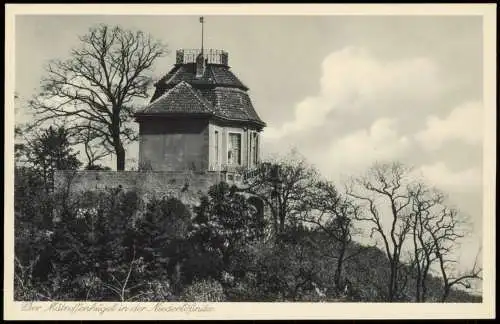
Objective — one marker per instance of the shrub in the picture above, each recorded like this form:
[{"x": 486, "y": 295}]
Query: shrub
[
  {"x": 204, "y": 291},
  {"x": 223, "y": 228}
]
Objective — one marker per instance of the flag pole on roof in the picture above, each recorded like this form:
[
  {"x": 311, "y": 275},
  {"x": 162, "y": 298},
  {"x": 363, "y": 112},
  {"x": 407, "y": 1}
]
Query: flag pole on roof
[{"x": 202, "y": 23}]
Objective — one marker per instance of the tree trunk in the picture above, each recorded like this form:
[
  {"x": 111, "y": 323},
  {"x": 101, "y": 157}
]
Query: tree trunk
[
  {"x": 120, "y": 158},
  {"x": 424, "y": 280},
  {"x": 117, "y": 142},
  {"x": 446, "y": 292},
  {"x": 424, "y": 290},
  {"x": 275, "y": 223},
  {"x": 338, "y": 271},
  {"x": 282, "y": 222},
  {"x": 120, "y": 153},
  {"x": 392, "y": 281},
  {"x": 418, "y": 293}
]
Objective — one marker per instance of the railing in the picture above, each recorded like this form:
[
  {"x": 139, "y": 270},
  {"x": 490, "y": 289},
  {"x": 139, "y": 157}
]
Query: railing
[
  {"x": 212, "y": 56},
  {"x": 250, "y": 173},
  {"x": 234, "y": 173}
]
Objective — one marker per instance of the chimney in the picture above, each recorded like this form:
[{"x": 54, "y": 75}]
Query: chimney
[
  {"x": 179, "y": 58},
  {"x": 224, "y": 58},
  {"x": 200, "y": 65}
]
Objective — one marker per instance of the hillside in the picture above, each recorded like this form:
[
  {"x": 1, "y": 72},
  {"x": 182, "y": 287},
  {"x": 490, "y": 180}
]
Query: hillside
[{"x": 115, "y": 246}]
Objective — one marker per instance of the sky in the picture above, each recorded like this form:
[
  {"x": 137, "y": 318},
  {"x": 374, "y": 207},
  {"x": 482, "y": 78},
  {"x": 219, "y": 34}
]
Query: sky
[{"x": 344, "y": 91}]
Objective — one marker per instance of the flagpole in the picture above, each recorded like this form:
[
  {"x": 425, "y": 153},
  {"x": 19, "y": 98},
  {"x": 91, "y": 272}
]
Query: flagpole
[{"x": 202, "y": 23}]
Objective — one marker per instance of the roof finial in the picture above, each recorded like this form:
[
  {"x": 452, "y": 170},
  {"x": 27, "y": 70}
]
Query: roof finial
[{"x": 202, "y": 22}]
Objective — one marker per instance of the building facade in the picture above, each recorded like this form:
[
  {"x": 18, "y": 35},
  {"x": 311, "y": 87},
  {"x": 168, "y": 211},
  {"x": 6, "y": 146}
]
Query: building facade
[{"x": 200, "y": 118}]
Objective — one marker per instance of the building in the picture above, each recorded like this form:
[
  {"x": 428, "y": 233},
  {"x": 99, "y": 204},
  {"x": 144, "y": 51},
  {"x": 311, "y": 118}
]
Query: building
[
  {"x": 200, "y": 118},
  {"x": 198, "y": 129}
]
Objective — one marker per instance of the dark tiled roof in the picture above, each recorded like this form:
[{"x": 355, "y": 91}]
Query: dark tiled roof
[
  {"x": 223, "y": 76},
  {"x": 180, "y": 99},
  {"x": 219, "y": 93},
  {"x": 215, "y": 74},
  {"x": 234, "y": 104}
]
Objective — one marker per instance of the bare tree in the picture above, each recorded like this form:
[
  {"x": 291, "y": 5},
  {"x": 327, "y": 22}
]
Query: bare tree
[
  {"x": 94, "y": 152},
  {"x": 121, "y": 287},
  {"x": 424, "y": 204},
  {"x": 462, "y": 279},
  {"x": 282, "y": 185},
  {"x": 444, "y": 231},
  {"x": 334, "y": 215},
  {"x": 436, "y": 230},
  {"x": 384, "y": 190},
  {"x": 401, "y": 209},
  {"x": 96, "y": 87}
]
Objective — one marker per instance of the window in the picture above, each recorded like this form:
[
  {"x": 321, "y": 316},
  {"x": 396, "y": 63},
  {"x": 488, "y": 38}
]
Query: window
[
  {"x": 216, "y": 144},
  {"x": 253, "y": 141},
  {"x": 234, "y": 149},
  {"x": 255, "y": 148}
]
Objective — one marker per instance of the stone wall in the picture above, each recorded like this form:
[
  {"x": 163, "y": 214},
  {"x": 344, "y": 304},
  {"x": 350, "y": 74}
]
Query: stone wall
[{"x": 187, "y": 186}]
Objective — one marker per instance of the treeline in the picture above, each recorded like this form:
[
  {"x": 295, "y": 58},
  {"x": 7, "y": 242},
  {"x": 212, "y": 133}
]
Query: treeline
[{"x": 118, "y": 246}]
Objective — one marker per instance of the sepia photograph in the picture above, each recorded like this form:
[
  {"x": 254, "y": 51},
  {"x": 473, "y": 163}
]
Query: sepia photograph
[{"x": 198, "y": 158}]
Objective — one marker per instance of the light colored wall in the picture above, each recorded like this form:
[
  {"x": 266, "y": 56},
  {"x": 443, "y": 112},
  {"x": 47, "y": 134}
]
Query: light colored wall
[
  {"x": 179, "y": 145},
  {"x": 224, "y": 131},
  {"x": 213, "y": 165},
  {"x": 174, "y": 145}
]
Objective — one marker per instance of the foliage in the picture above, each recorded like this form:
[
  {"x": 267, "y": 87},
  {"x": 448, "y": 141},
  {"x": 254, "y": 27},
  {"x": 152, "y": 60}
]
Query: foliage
[
  {"x": 225, "y": 224},
  {"x": 290, "y": 269},
  {"x": 159, "y": 235},
  {"x": 47, "y": 151},
  {"x": 116, "y": 245},
  {"x": 91, "y": 245},
  {"x": 334, "y": 215},
  {"x": 97, "y": 167},
  {"x": 99, "y": 250},
  {"x": 204, "y": 291},
  {"x": 282, "y": 185}
]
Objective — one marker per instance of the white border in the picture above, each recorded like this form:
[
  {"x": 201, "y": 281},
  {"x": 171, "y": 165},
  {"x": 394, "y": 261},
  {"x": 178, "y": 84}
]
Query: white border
[{"x": 272, "y": 310}]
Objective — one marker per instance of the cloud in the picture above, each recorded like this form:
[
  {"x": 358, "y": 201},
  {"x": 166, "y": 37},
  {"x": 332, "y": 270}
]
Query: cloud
[
  {"x": 353, "y": 80},
  {"x": 463, "y": 123},
  {"x": 358, "y": 150},
  {"x": 438, "y": 174}
]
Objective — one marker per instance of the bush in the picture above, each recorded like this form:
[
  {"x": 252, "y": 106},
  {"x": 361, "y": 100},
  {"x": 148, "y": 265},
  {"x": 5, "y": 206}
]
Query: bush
[
  {"x": 224, "y": 226},
  {"x": 204, "y": 291},
  {"x": 155, "y": 290},
  {"x": 96, "y": 248},
  {"x": 114, "y": 246}
]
